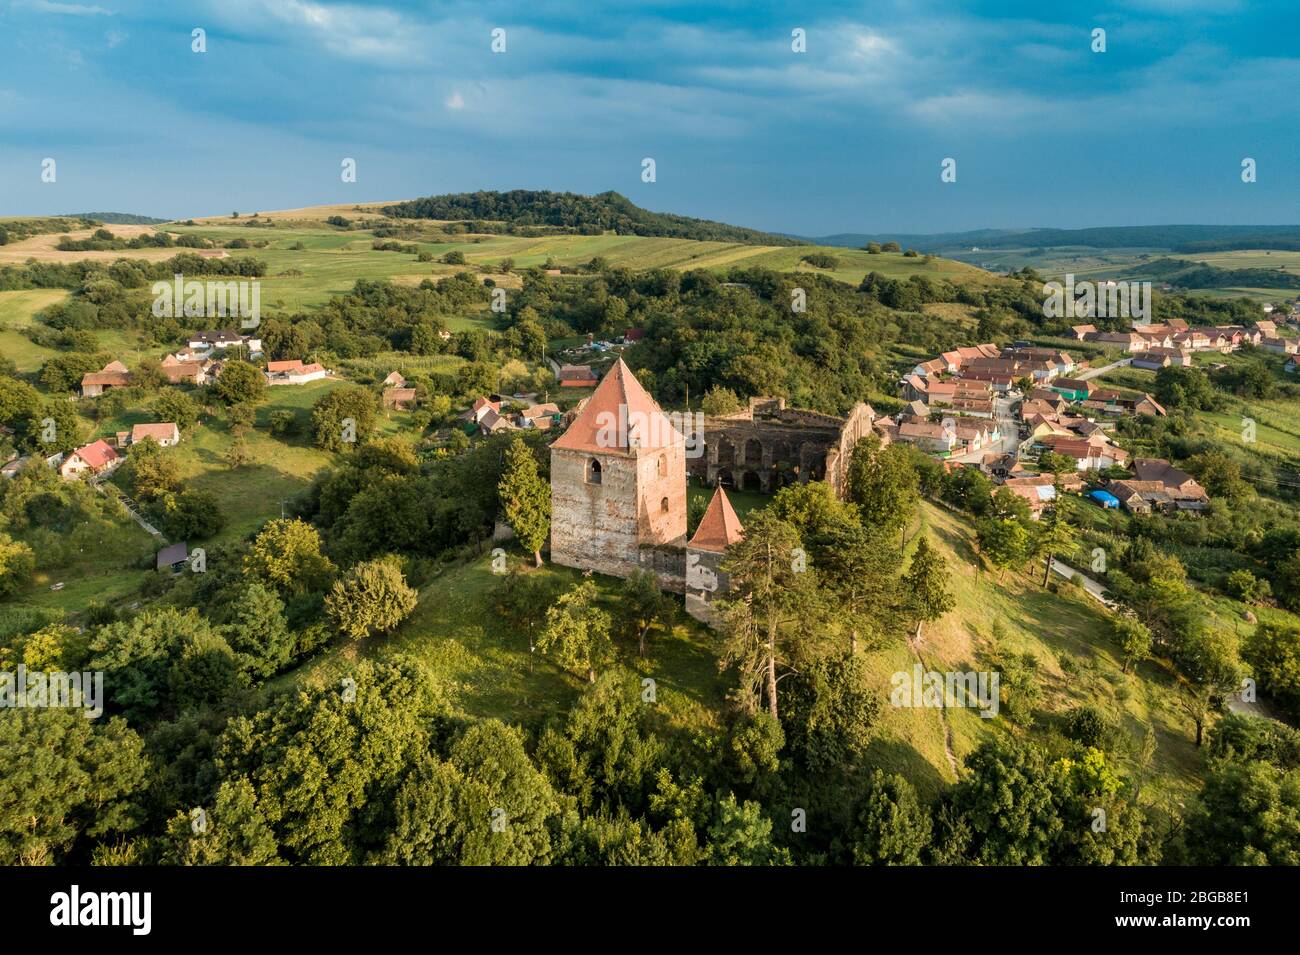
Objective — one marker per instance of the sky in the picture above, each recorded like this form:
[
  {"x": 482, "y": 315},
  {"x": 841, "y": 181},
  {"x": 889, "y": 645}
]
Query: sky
[{"x": 848, "y": 136}]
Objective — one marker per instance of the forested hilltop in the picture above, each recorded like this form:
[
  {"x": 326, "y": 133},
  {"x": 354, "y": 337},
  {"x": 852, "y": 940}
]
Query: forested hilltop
[{"x": 590, "y": 215}]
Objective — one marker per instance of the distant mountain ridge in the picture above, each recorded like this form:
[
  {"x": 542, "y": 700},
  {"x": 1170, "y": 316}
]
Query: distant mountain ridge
[
  {"x": 526, "y": 209},
  {"x": 1177, "y": 238}
]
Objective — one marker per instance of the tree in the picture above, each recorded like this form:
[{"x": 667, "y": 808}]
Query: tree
[
  {"x": 643, "y": 605},
  {"x": 17, "y": 562},
  {"x": 1247, "y": 813},
  {"x": 192, "y": 514},
  {"x": 1246, "y": 587},
  {"x": 371, "y": 596},
  {"x": 523, "y": 599},
  {"x": 891, "y": 827},
  {"x": 1055, "y": 535},
  {"x": 858, "y": 569},
  {"x": 883, "y": 484},
  {"x": 830, "y": 711},
  {"x": 719, "y": 401},
  {"x": 65, "y": 781},
  {"x": 317, "y": 758},
  {"x": 287, "y": 555},
  {"x": 576, "y": 632},
  {"x": 525, "y": 498},
  {"x": 770, "y": 588},
  {"x": 240, "y": 383},
  {"x": 234, "y": 831},
  {"x": 281, "y": 422},
  {"x": 811, "y": 507},
  {"x": 1004, "y": 542},
  {"x": 1273, "y": 652},
  {"x": 238, "y": 455},
  {"x": 344, "y": 418},
  {"x": 1006, "y": 799},
  {"x": 152, "y": 473},
  {"x": 741, "y": 835},
  {"x": 926, "y": 584},
  {"x": 1132, "y": 638},
  {"x": 1210, "y": 671},
  {"x": 259, "y": 632}
]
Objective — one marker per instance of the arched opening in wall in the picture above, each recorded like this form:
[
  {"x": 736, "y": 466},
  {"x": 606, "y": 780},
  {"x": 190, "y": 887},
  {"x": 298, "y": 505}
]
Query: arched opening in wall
[
  {"x": 724, "y": 478},
  {"x": 593, "y": 471},
  {"x": 663, "y": 465},
  {"x": 751, "y": 481},
  {"x": 663, "y": 506},
  {"x": 726, "y": 451},
  {"x": 754, "y": 453}
]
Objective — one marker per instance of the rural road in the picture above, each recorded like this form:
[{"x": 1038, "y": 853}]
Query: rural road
[
  {"x": 1094, "y": 372},
  {"x": 1094, "y": 588}
]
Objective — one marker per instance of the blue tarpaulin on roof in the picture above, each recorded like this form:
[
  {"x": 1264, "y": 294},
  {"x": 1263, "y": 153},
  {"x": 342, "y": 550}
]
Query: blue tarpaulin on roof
[{"x": 1104, "y": 498}]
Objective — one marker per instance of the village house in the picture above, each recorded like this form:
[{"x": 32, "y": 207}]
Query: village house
[
  {"x": 577, "y": 376},
  {"x": 1072, "y": 389},
  {"x": 1158, "y": 356},
  {"x": 112, "y": 375},
  {"x": 1280, "y": 346},
  {"x": 293, "y": 372},
  {"x": 541, "y": 417},
  {"x": 221, "y": 339},
  {"x": 399, "y": 399},
  {"x": 95, "y": 458},
  {"x": 166, "y": 434},
  {"x": 1159, "y": 486}
]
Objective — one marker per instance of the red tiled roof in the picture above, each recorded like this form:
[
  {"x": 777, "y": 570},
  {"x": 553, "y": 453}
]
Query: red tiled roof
[
  {"x": 97, "y": 454},
  {"x": 720, "y": 527},
  {"x": 619, "y": 414}
]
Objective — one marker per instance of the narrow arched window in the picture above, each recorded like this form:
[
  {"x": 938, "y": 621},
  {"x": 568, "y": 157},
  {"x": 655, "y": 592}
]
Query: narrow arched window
[
  {"x": 663, "y": 505},
  {"x": 593, "y": 471}
]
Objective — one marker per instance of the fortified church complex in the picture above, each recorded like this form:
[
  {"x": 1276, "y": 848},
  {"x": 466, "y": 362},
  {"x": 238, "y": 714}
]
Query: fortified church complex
[{"x": 618, "y": 481}]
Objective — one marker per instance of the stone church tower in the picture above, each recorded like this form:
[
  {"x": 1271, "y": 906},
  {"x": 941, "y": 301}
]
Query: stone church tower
[{"x": 618, "y": 486}]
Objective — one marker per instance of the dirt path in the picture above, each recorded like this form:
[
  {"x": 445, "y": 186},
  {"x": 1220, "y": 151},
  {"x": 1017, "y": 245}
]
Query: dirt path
[{"x": 914, "y": 644}]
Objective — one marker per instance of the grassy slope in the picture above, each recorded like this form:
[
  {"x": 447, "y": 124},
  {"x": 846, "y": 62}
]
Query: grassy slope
[{"x": 487, "y": 669}]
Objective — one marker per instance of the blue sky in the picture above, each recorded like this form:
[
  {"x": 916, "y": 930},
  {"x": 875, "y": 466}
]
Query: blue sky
[{"x": 848, "y": 136}]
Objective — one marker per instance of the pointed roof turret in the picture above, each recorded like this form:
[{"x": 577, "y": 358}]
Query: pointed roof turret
[{"x": 720, "y": 527}]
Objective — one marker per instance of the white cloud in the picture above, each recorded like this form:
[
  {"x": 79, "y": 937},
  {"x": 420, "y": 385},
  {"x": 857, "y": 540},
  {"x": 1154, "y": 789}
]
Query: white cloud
[{"x": 68, "y": 9}]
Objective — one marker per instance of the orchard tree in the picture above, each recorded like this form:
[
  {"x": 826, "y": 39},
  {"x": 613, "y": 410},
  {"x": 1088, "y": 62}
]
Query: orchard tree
[
  {"x": 1132, "y": 638},
  {"x": 371, "y": 596},
  {"x": 287, "y": 555},
  {"x": 344, "y": 418},
  {"x": 240, "y": 383},
  {"x": 1004, "y": 542},
  {"x": 576, "y": 631},
  {"x": 643, "y": 605},
  {"x": 525, "y": 498}
]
